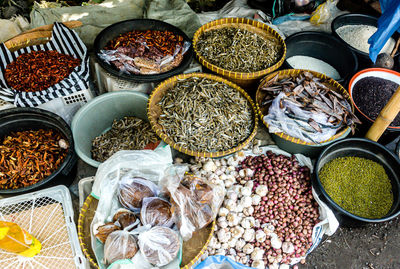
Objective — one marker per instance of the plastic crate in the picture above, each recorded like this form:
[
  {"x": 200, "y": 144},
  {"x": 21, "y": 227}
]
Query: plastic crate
[
  {"x": 106, "y": 82},
  {"x": 65, "y": 106},
  {"x": 47, "y": 215}
]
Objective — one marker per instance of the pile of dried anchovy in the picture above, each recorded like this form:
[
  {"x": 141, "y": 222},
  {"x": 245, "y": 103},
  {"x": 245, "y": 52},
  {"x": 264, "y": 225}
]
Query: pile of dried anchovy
[
  {"x": 239, "y": 50},
  {"x": 130, "y": 133},
  {"x": 205, "y": 115},
  {"x": 39, "y": 70},
  {"x": 30, "y": 156}
]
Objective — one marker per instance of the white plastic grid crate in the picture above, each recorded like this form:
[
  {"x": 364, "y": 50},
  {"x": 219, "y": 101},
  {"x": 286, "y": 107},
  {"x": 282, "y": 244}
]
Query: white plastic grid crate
[
  {"x": 65, "y": 106},
  {"x": 48, "y": 216}
]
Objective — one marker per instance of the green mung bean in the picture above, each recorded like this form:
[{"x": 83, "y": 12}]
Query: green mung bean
[{"x": 358, "y": 185}]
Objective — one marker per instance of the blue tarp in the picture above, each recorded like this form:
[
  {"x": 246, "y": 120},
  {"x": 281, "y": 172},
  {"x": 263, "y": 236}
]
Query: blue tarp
[{"x": 388, "y": 23}]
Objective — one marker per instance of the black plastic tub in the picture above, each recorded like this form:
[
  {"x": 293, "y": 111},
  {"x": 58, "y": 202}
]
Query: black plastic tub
[
  {"x": 357, "y": 19},
  {"x": 20, "y": 119},
  {"x": 116, "y": 29},
  {"x": 359, "y": 147},
  {"x": 324, "y": 47}
]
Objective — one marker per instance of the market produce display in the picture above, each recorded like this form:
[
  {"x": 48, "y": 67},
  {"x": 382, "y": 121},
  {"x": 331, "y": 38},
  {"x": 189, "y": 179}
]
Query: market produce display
[
  {"x": 268, "y": 212},
  {"x": 205, "y": 115},
  {"x": 314, "y": 64},
  {"x": 39, "y": 70},
  {"x": 360, "y": 186},
  {"x": 30, "y": 156},
  {"x": 305, "y": 106},
  {"x": 357, "y": 36},
  {"x": 260, "y": 207},
  {"x": 145, "y": 52},
  {"x": 371, "y": 94},
  {"x": 239, "y": 50},
  {"x": 129, "y": 133}
]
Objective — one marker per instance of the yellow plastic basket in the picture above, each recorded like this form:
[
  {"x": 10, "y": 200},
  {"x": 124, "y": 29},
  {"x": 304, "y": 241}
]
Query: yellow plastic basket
[
  {"x": 260, "y": 95},
  {"x": 154, "y": 113},
  {"x": 243, "y": 79},
  {"x": 192, "y": 250}
]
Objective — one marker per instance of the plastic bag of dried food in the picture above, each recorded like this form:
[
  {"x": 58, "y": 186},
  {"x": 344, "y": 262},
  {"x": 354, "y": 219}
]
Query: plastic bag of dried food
[
  {"x": 147, "y": 164},
  {"x": 287, "y": 117},
  {"x": 324, "y": 12},
  {"x": 132, "y": 191},
  {"x": 159, "y": 245},
  {"x": 120, "y": 245},
  {"x": 156, "y": 212},
  {"x": 141, "y": 59},
  {"x": 195, "y": 202}
]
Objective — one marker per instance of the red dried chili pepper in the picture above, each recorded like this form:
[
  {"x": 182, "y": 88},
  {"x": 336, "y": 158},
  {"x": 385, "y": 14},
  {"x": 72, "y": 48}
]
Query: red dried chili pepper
[
  {"x": 39, "y": 70},
  {"x": 164, "y": 41}
]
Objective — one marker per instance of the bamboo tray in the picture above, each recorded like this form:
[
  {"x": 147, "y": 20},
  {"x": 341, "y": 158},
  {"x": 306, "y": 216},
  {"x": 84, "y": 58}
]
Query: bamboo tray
[
  {"x": 192, "y": 249},
  {"x": 243, "y": 79},
  {"x": 292, "y": 73},
  {"x": 153, "y": 112}
]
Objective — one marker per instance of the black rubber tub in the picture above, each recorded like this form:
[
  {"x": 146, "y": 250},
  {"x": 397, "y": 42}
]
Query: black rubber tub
[
  {"x": 116, "y": 29},
  {"x": 359, "y": 147},
  {"x": 324, "y": 47},
  {"x": 358, "y": 19},
  {"x": 20, "y": 119}
]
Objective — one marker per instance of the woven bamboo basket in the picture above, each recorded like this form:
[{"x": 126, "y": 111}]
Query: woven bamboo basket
[
  {"x": 245, "y": 80},
  {"x": 192, "y": 250},
  {"x": 260, "y": 95},
  {"x": 154, "y": 112},
  {"x": 36, "y": 36}
]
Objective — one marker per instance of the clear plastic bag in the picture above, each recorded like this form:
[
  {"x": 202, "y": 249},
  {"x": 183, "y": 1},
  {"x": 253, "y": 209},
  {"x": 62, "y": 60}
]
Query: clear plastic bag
[
  {"x": 195, "y": 202},
  {"x": 143, "y": 59},
  {"x": 137, "y": 163},
  {"x": 292, "y": 120},
  {"x": 324, "y": 12},
  {"x": 120, "y": 245},
  {"x": 159, "y": 245},
  {"x": 156, "y": 212},
  {"x": 132, "y": 191}
]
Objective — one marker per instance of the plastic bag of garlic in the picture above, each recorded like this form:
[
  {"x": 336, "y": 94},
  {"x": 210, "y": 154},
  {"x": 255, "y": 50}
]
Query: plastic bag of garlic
[{"x": 271, "y": 217}]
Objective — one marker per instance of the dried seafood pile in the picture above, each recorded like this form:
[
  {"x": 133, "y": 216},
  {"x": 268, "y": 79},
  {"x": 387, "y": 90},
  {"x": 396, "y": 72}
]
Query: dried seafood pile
[
  {"x": 130, "y": 133},
  {"x": 145, "y": 52},
  {"x": 306, "y": 107},
  {"x": 205, "y": 115},
  {"x": 239, "y": 50}
]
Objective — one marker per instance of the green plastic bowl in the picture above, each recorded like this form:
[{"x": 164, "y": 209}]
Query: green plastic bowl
[{"x": 97, "y": 116}]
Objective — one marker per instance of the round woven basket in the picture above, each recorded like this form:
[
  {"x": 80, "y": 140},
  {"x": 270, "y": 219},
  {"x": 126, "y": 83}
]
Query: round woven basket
[
  {"x": 154, "y": 113},
  {"x": 192, "y": 250},
  {"x": 260, "y": 95},
  {"x": 243, "y": 79}
]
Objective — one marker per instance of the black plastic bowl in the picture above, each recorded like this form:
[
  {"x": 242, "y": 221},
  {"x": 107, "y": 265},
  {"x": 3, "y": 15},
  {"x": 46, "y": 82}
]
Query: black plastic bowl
[
  {"x": 116, "y": 29},
  {"x": 359, "y": 147},
  {"x": 20, "y": 119},
  {"x": 324, "y": 47},
  {"x": 357, "y": 19}
]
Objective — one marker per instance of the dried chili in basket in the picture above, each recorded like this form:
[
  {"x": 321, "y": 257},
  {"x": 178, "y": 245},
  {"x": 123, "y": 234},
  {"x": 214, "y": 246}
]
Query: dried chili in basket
[
  {"x": 27, "y": 157},
  {"x": 39, "y": 70},
  {"x": 164, "y": 41}
]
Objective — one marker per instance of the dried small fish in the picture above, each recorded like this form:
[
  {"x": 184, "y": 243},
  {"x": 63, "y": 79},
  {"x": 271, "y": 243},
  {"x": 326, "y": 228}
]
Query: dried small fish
[
  {"x": 206, "y": 115},
  {"x": 130, "y": 133},
  {"x": 305, "y": 94},
  {"x": 239, "y": 50}
]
